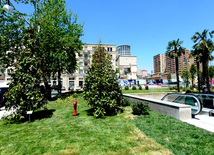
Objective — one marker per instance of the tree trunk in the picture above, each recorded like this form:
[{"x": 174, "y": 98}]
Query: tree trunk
[
  {"x": 198, "y": 74},
  {"x": 177, "y": 73},
  {"x": 59, "y": 82},
  {"x": 207, "y": 82},
  {"x": 59, "y": 79}
]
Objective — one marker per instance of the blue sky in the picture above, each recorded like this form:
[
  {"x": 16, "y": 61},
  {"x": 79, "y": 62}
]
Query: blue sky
[{"x": 146, "y": 25}]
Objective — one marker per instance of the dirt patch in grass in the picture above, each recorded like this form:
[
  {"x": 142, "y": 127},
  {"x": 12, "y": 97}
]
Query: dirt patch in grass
[
  {"x": 146, "y": 145},
  {"x": 128, "y": 113}
]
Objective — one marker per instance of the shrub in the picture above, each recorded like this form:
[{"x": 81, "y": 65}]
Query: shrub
[
  {"x": 126, "y": 87},
  {"x": 140, "y": 108},
  {"x": 140, "y": 87},
  {"x": 126, "y": 102},
  {"x": 134, "y": 88},
  {"x": 147, "y": 87}
]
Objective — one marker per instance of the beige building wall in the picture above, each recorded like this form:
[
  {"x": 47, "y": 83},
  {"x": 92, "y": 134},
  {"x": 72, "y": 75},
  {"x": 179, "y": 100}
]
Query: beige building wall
[{"x": 127, "y": 67}]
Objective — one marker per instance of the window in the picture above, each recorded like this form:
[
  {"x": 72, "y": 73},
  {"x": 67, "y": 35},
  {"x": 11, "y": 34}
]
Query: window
[
  {"x": 86, "y": 64},
  {"x": 80, "y": 78},
  {"x": 109, "y": 49},
  {"x": 71, "y": 83},
  {"x": 81, "y": 56},
  {"x": 71, "y": 78},
  {"x": 80, "y": 71},
  {"x": 86, "y": 56},
  {"x": 80, "y": 63},
  {"x": 86, "y": 48},
  {"x": 94, "y": 48},
  {"x": 85, "y": 71}
]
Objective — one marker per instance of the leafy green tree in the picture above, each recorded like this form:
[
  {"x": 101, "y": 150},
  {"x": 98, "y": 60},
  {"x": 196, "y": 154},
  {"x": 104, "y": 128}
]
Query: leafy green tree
[
  {"x": 24, "y": 92},
  {"x": 29, "y": 53},
  {"x": 169, "y": 78},
  {"x": 102, "y": 90},
  {"x": 211, "y": 73},
  {"x": 174, "y": 50},
  {"x": 11, "y": 28},
  {"x": 205, "y": 47},
  {"x": 59, "y": 39},
  {"x": 185, "y": 75}
]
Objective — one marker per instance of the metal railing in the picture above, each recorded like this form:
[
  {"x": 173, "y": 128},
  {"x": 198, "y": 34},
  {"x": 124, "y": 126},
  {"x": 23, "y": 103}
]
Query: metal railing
[{"x": 188, "y": 99}]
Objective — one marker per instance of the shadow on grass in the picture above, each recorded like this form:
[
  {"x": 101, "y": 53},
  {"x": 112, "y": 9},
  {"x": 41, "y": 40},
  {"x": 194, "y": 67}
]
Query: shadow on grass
[
  {"x": 41, "y": 114},
  {"x": 90, "y": 112}
]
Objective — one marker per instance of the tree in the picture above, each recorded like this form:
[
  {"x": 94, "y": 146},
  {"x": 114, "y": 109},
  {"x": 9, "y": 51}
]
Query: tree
[
  {"x": 174, "y": 50},
  {"x": 185, "y": 75},
  {"x": 59, "y": 39},
  {"x": 40, "y": 46},
  {"x": 205, "y": 47},
  {"x": 196, "y": 53},
  {"x": 211, "y": 73},
  {"x": 192, "y": 73},
  {"x": 102, "y": 90},
  {"x": 24, "y": 92},
  {"x": 169, "y": 78}
]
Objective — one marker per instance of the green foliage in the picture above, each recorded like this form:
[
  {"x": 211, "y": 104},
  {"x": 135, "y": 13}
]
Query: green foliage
[
  {"x": 134, "y": 88},
  {"x": 174, "y": 50},
  {"x": 126, "y": 102},
  {"x": 24, "y": 91},
  {"x": 193, "y": 71},
  {"x": 169, "y": 77},
  {"x": 186, "y": 75},
  {"x": 204, "y": 47},
  {"x": 147, "y": 87},
  {"x": 140, "y": 87},
  {"x": 126, "y": 88},
  {"x": 140, "y": 108},
  {"x": 59, "y": 39},
  {"x": 102, "y": 90}
]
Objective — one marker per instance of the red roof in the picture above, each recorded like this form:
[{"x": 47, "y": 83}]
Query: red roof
[{"x": 144, "y": 70}]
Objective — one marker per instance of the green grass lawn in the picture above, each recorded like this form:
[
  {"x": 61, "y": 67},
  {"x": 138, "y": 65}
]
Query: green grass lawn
[
  {"x": 58, "y": 132},
  {"x": 179, "y": 137}
]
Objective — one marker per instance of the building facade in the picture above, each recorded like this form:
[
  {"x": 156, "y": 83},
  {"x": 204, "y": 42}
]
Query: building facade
[
  {"x": 160, "y": 63},
  {"x": 126, "y": 63},
  {"x": 164, "y": 64},
  {"x": 127, "y": 67},
  {"x": 124, "y": 50}
]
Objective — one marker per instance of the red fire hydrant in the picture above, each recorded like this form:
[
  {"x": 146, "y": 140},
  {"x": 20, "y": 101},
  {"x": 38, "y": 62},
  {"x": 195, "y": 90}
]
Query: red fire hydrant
[{"x": 75, "y": 108}]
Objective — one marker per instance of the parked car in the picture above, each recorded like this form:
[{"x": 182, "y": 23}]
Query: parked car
[
  {"x": 3, "y": 88},
  {"x": 78, "y": 88}
]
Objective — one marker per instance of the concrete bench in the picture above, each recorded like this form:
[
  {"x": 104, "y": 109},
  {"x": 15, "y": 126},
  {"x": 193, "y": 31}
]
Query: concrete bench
[{"x": 178, "y": 111}]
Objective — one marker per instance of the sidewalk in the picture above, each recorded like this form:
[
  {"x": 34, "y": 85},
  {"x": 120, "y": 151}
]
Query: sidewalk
[{"x": 202, "y": 121}]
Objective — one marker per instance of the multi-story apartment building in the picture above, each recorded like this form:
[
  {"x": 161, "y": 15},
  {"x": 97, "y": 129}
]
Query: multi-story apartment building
[
  {"x": 160, "y": 63},
  {"x": 84, "y": 61},
  {"x": 164, "y": 64}
]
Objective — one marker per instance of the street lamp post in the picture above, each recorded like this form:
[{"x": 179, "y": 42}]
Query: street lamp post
[{"x": 7, "y": 6}]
